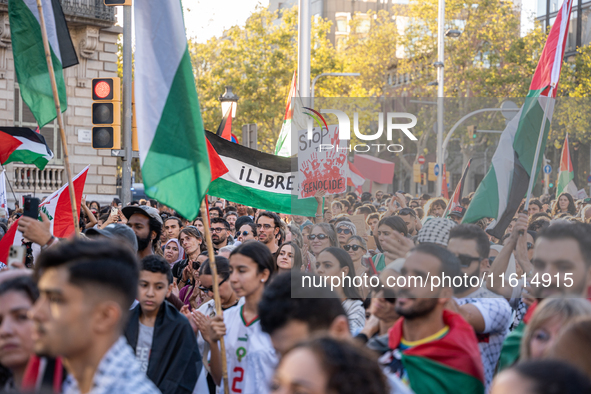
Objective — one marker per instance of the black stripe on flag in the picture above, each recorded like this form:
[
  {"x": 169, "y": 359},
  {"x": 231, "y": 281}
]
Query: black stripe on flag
[
  {"x": 27, "y": 133},
  {"x": 519, "y": 186},
  {"x": 69, "y": 57},
  {"x": 250, "y": 156}
]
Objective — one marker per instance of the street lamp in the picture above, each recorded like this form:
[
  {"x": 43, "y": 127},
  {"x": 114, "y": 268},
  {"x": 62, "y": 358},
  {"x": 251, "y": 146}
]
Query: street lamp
[
  {"x": 229, "y": 99},
  {"x": 453, "y": 33},
  {"x": 440, "y": 80}
]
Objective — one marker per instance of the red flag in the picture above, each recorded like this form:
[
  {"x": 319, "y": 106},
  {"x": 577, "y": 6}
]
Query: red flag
[
  {"x": 444, "y": 191},
  {"x": 8, "y": 240},
  {"x": 225, "y": 128},
  {"x": 58, "y": 209}
]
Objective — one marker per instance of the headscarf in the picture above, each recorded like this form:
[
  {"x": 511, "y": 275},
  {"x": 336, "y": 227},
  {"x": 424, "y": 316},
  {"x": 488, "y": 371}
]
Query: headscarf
[
  {"x": 348, "y": 225},
  {"x": 181, "y": 250},
  {"x": 436, "y": 231}
]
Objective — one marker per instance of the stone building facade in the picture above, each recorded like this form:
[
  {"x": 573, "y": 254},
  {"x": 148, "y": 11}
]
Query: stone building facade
[{"x": 95, "y": 36}]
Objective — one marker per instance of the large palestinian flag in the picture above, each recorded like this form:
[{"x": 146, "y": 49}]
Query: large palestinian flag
[
  {"x": 504, "y": 186},
  {"x": 29, "y": 55},
  {"x": 448, "y": 365},
  {"x": 173, "y": 152},
  {"x": 23, "y": 145},
  {"x": 257, "y": 179}
]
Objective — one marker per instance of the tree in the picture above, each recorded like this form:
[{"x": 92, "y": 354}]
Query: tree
[{"x": 258, "y": 60}]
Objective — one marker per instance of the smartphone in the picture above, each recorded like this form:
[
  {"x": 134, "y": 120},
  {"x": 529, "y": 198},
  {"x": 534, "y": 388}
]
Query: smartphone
[
  {"x": 114, "y": 211},
  {"x": 31, "y": 207},
  {"x": 16, "y": 257}
]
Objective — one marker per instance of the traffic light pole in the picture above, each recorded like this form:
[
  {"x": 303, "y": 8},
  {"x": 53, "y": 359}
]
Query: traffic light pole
[{"x": 126, "y": 159}]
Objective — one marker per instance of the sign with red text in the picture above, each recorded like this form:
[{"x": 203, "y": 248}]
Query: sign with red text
[{"x": 322, "y": 162}]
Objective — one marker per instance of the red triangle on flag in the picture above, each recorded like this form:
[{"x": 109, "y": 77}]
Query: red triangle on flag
[
  {"x": 218, "y": 168},
  {"x": 7, "y": 241}
]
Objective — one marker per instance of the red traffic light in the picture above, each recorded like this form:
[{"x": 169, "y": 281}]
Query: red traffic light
[
  {"x": 106, "y": 89},
  {"x": 102, "y": 89}
]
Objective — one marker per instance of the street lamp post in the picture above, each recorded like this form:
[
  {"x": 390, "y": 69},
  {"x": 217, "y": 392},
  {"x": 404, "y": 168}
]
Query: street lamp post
[
  {"x": 229, "y": 99},
  {"x": 440, "y": 80},
  {"x": 452, "y": 33}
]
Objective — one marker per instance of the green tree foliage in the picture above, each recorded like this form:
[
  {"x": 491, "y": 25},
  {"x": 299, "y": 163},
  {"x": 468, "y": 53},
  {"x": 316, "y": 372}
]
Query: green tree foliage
[{"x": 258, "y": 60}]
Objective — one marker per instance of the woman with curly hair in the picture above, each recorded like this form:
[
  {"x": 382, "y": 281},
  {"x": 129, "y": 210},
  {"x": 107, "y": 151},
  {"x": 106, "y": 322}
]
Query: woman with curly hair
[{"x": 564, "y": 204}]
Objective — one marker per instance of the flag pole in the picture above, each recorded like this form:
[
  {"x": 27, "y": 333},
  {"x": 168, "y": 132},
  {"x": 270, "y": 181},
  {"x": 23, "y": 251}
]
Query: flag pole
[
  {"x": 532, "y": 176},
  {"x": 59, "y": 116},
  {"x": 216, "y": 289}
]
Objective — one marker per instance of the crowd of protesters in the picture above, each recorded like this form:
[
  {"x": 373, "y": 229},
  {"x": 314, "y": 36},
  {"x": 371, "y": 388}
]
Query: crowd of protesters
[{"x": 128, "y": 307}]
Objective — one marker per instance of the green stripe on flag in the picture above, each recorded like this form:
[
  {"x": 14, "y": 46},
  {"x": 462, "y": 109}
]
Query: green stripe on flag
[
  {"x": 31, "y": 66},
  {"x": 427, "y": 377},
  {"x": 176, "y": 169},
  {"x": 276, "y": 202},
  {"x": 27, "y": 156},
  {"x": 485, "y": 207}
]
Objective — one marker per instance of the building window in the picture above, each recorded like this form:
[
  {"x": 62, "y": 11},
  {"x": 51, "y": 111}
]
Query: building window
[
  {"x": 541, "y": 11},
  {"x": 571, "y": 40},
  {"x": 23, "y": 117},
  {"x": 555, "y": 5},
  {"x": 342, "y": 25},
  {"x": 363, "y": 26},
  {"x": 586, "y": 27}
]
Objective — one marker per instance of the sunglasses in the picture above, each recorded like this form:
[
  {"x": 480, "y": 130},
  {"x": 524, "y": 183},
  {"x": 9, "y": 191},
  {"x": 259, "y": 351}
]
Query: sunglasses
[
  {"x": 407, "y": 211},
  {"x": 265, "y": 226},
  {"x": 344, "y": 231},
  {"x": 244, "y": 233},
  {"x": 466, "y": 261},
  {"x": 216, "y": 229},
  {"x": 321, "y": 237},
  {"x": 210, "y": 289},
  {"x": 354, "y": 247}
]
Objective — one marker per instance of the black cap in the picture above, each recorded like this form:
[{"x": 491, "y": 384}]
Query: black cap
[
  {"x": 144, "y": 210},
  {"x": 458, "y": 211},
  {"x": 115, "y": 231}
]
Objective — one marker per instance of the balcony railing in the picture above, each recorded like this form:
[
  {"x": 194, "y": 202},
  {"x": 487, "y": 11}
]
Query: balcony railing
[
  {"x": 28, "y": 178},
  {"x": 90, "y": 9},
  {"x": 94, "y": 9}
]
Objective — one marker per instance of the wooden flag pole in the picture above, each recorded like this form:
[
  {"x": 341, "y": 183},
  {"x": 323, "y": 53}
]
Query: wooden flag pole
[
  {"x": 60, "y": 121},
  {"x": 216, "y": 289}
]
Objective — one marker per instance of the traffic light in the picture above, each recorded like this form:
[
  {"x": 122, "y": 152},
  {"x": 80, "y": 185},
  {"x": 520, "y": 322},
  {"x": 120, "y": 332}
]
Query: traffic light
[
  {"x": 472, "y": 130},
  {"x": 117, "y": 2},
  {"x": 106, "y": 113}
]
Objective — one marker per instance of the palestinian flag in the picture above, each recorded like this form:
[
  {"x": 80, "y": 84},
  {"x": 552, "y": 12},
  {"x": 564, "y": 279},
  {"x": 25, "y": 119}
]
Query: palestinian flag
[
  {"x": 21, "y": 144},
  {"x": 257, "y": 179},
  {"x": 566, "y": 176},
  {"x": 355, "y": 178},
  {"x": 446, "y": 364},
  {"x": 173, "y": 152},
  {"x": 30, "y": 63},
  {"x": 283, "y": 146},
  {"x": 456, "y": 198},
  {"x": 58, "y": 209},
  {"x": 504, "y": 186}
]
